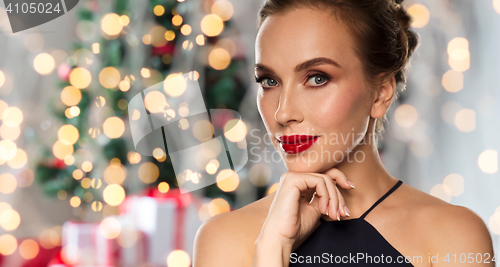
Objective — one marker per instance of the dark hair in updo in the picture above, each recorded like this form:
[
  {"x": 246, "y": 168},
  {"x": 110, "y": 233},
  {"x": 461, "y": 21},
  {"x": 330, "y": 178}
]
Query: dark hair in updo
[{"x": 381, "y": 27}]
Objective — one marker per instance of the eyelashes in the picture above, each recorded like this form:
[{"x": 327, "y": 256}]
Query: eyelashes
[{"x": 322, "y": 75}]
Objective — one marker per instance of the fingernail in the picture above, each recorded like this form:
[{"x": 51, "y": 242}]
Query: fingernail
[
  {"x": 347, "y": 211},
  {"x": 338, "y": 215},
  {"x": 326, "y": 209},
  {"x": 352, "y": 185}
]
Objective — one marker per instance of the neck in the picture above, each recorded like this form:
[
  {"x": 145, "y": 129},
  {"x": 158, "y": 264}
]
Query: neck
[{"x": 368, "y": 175}]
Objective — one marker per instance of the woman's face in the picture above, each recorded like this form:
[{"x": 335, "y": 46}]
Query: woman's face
[{"x": 311, "y": 83}]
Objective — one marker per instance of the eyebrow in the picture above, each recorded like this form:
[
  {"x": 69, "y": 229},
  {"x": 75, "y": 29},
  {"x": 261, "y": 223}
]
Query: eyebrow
[{"x": 302, "y": 66}]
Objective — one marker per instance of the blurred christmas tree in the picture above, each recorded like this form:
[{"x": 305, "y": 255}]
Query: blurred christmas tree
[{"x": 92, "y": 160}]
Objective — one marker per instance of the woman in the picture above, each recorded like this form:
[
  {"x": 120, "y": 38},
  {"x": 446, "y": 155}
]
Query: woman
[{"x": 328, "y": 71}]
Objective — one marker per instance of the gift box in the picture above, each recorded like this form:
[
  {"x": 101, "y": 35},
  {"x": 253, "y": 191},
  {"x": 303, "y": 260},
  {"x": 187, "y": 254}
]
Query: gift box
[
  {"x": 83, "y": 244},
  {"x": 169, "y": 222}
]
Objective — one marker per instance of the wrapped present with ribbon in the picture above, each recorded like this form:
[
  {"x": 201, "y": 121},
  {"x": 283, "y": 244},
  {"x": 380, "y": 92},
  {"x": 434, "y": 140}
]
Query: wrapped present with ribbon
[
  {"x": 168, "y": 220},
  {"x": 83, "y": 244}
]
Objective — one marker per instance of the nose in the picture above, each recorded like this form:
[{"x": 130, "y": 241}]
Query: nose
[{"x": 289, "y": 110}]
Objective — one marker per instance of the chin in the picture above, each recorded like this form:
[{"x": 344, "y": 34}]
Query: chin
[
  {"x": 304, "y": 164},
  {"x": 317, "y": 160}
]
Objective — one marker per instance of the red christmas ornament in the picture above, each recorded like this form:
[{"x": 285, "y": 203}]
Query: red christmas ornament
[
  {"x": 162, "y": 50},
  {"x": 59, "y": 163}
]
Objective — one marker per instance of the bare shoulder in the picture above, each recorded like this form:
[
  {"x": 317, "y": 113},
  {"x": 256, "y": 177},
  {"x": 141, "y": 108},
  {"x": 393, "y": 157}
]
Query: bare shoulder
[
  {"x": 448, "y": 228},
  {"x": 227, "y": 239}
]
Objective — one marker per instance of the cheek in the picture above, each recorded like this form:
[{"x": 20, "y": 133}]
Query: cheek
[
  {"x": 267, "y": 107},
  {"x": 341, "y": 112}
]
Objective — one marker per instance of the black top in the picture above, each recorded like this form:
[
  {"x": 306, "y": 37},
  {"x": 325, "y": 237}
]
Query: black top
[{"x": 353, "y": 242}]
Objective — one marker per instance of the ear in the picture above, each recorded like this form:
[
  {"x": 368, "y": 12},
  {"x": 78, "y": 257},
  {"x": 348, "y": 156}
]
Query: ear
[{"x": 383, "y": 97}]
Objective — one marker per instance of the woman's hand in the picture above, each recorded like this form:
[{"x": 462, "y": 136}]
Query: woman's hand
[{"x": 293, "y": 215}]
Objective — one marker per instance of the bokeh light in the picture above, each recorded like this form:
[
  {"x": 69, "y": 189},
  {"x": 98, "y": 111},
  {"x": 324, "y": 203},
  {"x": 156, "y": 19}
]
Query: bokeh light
[
  {"x": 8, "y": 149},
  {"x": 406, "y": 115},
  {"x": 113, "y": 194},
  {"x": 203, "y": 130},
  {"x": 488, "y": 161},
  {"x": 163, "y": 187},
  {"x": 420, "y": 15},
  {"x": 61, "y": 150},
  {"x": 186, "y": 29},
  {"x": 219, "y": 58},
  {"x": 157, "y": 34},
  {"x": 465, "y": 120},
  {"x": 28, "y": 249},
  {"x": 80, "y": 77},
  {"x": 8, "y": 183},
  {"x": 134, "y": 157},
  {"x": 159, "y": 154},
  {"x": 109, "y": 77},
  {"x": 148, "y": 172},
  {"x": 86, "y": 182},
  {"x": 10, "y": 220},
  {"x": 453, "y": 81},
  {"x": 178, "y": 258},
  {"x": 10, "y": 133},
  {"x": 2, "y": 78},
  {"x": 128, "y": 237},
  {"x": 459, "y": 55},
  {"x": 455, "y": 183},
  {"x": 155, "y": 102},
  {"x": 50, "y": 238},
  {"x": 223, "y": 8},
  {"x": 217, "y": 206},
  {"x": 110, "y": 227},
  {"x": 19, "y": 160},
  {"x": 235, "y": 130},
  {"x": 111, "y": 24},
  {"x": 175, "y": 84},
  {"x": 96, "y": 206},
  {"x": 176, "y": 20},
  {"x": 44, "y": 63},
  {"x": 170, "y": 35},
  {"x": 159, "y": 10},
  {"x": 115, "y": 174},
  {"x": 8, "y": 244},
  {"x": 75, "y": 201},
  {"x": 62, "y": 194},
  {"x": 68, "y": 134},
  {"x": 200, "y": 39},
  {"x": 496, "y": 6},
  {"x": 227, "y": 180},
  {"x": 212, "y": 25},
  {"x": 87, "y": 166},
  {"x": 12, "y": 116},
  {"x": 71, "y": 96},
  {"x": 441, "y": 191},
  {"x": 113, "y": 127}
]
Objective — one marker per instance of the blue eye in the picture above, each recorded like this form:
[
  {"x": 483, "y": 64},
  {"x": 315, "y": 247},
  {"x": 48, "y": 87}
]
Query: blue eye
[
  {"x": 266, "y": 82},
  {"x": 317, "y": 79}
]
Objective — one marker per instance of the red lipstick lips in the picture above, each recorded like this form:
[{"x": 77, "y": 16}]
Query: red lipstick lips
[{"x": 292, "y": 144}]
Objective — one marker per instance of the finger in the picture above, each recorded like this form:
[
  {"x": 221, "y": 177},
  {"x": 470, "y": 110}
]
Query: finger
[
  {"x": 334, "y": 193},
  {"x": 340, "y": 178},
  {"x": 341, "y": 206},
  {"x": 322, "y": 195}
]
